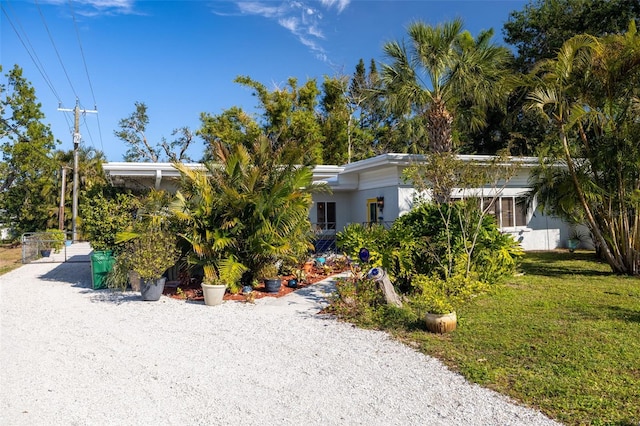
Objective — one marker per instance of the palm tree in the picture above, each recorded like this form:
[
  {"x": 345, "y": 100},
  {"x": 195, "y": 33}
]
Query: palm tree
[
  {"x": 446, "y": 76},
  {"x": 247, "y": 209},
  {"x": 588, "y": 94},
  {"x": 90, "y": 174}
]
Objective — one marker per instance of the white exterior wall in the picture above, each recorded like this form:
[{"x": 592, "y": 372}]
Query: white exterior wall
[
  {"x": 356, "y": 183},
  {"x": 541, "y": 232},
  {"x": 344, "y": 212}
]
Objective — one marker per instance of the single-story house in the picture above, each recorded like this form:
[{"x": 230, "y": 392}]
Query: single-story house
[{"x": 374, "y": 190}]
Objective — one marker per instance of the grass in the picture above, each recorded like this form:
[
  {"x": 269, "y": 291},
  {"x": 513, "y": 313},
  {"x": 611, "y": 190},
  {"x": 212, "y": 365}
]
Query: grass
[
  {"x": 10, "y": 258},
  {"x": 563, "y": 338}
]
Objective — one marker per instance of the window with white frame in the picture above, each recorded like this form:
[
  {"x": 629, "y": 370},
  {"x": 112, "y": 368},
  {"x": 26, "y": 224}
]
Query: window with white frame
[{"x": 509, "y": 212}]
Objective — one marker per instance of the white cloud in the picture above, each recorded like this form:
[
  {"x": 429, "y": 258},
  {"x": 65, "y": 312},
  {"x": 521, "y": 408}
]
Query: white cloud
[
  {"x": 98, "y": 7},
  {"x": 289, "y": 23},
  {"x": 299, "y": 17},
  {"x": 261, "y": 9},
  {"x": 340, "y": 4}
]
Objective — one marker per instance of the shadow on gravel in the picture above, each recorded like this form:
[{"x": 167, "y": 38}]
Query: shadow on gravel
[
  {"x": 318, "y": 292},
  {"x": 307, "y": 302},
  {"x": 114, "y": 296},
  {"x": 76, "y": 274}
]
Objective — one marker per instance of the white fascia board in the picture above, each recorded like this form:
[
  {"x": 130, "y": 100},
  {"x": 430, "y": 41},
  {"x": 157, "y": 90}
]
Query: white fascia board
[
  {"x": 395, "y": 159},
  {"x": 325, "y": 172},
  {"x": 383, "y": 160},
  {"x": 125, "y": 169}
]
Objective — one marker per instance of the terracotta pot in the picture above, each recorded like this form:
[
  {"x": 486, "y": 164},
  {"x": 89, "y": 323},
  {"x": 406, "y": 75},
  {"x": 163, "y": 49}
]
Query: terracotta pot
[
  {"x": 213, "y": 293},
  {"x": 307, "y": 267},
  {"x": 441, "y": 323}
]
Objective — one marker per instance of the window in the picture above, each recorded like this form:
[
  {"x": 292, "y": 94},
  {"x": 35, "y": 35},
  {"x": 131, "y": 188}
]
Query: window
[
  {"x": 326, "y": 215},
  {"x": 508, "y": 211}
]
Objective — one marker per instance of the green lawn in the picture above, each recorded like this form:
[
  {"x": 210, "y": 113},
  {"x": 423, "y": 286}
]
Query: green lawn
[{"x": 564, "y": 337}]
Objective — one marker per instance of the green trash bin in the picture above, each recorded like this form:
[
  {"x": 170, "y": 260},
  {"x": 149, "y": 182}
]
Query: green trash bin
[{"x": 101, "y": 264}]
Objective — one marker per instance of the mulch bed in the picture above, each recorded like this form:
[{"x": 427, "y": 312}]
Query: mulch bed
[{"x": 193, "y": 291}]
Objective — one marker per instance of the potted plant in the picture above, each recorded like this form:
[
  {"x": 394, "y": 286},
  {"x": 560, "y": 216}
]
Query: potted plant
[
  {"x": 575, "y": 237},
  {"x": 213, "y": 287},
  {"x": 121, "y": 274},
  {"x": 272, "y": 281},
  {"x": 439, "y": 298},
  {"x": 103, "y": 217},
  {"x": 299, "y": 277},
  {"x": 153, "y": 251},
  {"x": 49, "y": 241}
]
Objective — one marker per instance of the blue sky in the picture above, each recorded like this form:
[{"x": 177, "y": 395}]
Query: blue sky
[{"x": 181, "y": 57}]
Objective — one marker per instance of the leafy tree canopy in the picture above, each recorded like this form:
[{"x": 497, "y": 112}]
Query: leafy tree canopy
[
  {"x": 539, "y": 30},
  {"x": 27, "y": 175}
]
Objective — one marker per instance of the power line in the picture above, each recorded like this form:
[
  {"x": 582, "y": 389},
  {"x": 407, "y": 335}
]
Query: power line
[
  {"x": 86, "y": 70},
  {"x": 30, "y": 51},
  {"x": 55, "y": 48},
  {"x": 32, "y": 54}
]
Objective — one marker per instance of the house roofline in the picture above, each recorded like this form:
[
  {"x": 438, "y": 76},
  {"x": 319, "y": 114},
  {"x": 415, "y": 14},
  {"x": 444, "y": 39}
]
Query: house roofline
[{"x": 322, "y": 173}]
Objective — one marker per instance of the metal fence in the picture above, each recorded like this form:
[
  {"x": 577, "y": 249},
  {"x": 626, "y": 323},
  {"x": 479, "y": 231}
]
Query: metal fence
[
  {"x": 325, "y": 237},
  {"x": 41, "y": 247}
]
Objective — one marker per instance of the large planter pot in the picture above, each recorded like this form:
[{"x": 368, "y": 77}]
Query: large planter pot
[
  {"x": 151, "y": 290},
  {"x": 213, "y": 293},
  {"x": 272, "y": 285},
  {"x": 441, "y": 323}
]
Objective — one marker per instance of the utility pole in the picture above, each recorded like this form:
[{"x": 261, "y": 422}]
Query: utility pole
[
  {"x": 76, "y": 143},
  {"x": 63, "y": 189}
]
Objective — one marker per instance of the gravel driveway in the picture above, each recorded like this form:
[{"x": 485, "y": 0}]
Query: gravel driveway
[{"x": 75, "y": 356}]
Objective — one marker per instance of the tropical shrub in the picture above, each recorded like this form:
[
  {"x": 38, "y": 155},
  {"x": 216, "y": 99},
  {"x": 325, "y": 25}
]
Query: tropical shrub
[
  {"x": 445, "y": 240},
  {"x": 148, "y": 243},
  {"x": 356, "y": 236},
  {"x": 153, "y": 252},
  {"x": 102, "y": 217},
  {"x": 55, "y": 238},
  {"x": 247, "y": 209},
  {"x": 442, "y": 296},
  {"x": 357, "y": 298}
]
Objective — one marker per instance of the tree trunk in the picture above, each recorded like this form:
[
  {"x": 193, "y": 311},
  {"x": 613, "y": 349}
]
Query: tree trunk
[{"x": 381, "y": 277}]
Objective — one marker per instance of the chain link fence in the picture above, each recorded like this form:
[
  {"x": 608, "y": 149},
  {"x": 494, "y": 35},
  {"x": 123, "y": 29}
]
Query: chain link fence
[{"x": 47, "y": 247}]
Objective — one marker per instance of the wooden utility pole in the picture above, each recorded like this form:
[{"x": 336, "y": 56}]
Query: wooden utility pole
[
  {"x": 63, "y": 189},
  {"x": 76, "y": 143}
]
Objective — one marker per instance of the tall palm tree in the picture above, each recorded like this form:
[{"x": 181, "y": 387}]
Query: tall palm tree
[
  {"x": 588, "y": 94},
  {"x": 446, "y": 76}
]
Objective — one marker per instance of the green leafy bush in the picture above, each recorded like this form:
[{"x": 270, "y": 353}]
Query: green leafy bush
[
  {"x": 102, "y": 217},
  {"x": 449, "y": 239},
  {"x": 153, "y": 252},
  {"x": 357, "y": 299},
  {"x": 356, "y": 236},
  {"x": 55, "y": 238},
  {"x": 248, "y": 209},
  {"x": 442, "y": 296}
]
